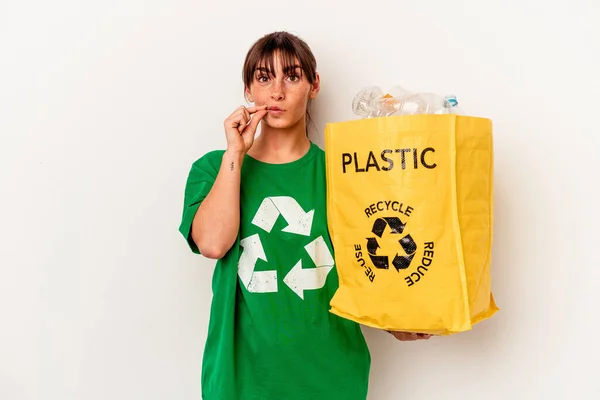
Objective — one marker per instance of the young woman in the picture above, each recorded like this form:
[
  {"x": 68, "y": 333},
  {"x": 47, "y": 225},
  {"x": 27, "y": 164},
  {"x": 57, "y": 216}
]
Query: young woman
[{"x": 259, "y": 208}]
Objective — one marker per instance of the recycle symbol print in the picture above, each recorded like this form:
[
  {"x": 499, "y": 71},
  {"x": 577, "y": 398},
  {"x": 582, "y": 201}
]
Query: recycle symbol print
[
  {"x": 407, "y": 243},
  {"x": 298, "y": 279}
]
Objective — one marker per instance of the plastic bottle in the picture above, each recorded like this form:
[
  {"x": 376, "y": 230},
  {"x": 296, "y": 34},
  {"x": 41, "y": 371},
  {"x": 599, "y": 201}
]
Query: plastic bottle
[
  {"x": 366, "y": 102},
  {"x": 454, "y": 108},
  {"x": 425, "y": 103},
  {"x": 372, "y": 102}
]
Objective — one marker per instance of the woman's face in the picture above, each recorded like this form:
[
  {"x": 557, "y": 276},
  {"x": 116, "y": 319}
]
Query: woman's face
[{"x": 286, "y": 93}]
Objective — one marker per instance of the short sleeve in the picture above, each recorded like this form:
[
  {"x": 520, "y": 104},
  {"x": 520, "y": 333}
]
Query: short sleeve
[{"x": 200, "y": 180}]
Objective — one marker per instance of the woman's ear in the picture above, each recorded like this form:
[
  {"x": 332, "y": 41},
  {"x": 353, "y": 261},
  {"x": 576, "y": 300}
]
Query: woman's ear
[
  {"x": 316, "y": 86},
  {"x": 248, "y": 95}
]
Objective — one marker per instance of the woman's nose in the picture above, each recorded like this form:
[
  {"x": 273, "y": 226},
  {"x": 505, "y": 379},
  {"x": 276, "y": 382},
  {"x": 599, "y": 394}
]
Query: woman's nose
[{"x": 277, "y": 92}]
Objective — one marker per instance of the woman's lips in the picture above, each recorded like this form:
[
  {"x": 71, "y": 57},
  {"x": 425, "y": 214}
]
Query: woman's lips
[{"x": 275, "y": 110}]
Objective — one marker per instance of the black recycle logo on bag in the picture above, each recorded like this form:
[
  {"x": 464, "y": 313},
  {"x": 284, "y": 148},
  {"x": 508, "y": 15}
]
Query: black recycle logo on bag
[
  {"x": 406, "y": 243},
  {"x": 389, "y": 244}
]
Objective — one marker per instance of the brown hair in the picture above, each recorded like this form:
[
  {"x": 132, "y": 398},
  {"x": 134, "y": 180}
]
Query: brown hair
[{"x": 289, "y": 48}]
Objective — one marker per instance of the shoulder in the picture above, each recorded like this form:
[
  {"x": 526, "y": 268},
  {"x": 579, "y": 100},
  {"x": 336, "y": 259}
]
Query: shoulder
[
  {"x": 211, "y": 159},
  {"x": 208, "y": 163},
  {"x": 206, "y": 167},
  {"x": 319, "y": 157},
  {"x": 319, "y": 152},
  {"x": 318, "y": 148}
]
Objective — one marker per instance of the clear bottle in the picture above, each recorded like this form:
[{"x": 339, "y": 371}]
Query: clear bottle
[
  {"x": 366, "y": 101},
  {"x": 425, "y": 103},
  {"x": 372, "y": 102}
]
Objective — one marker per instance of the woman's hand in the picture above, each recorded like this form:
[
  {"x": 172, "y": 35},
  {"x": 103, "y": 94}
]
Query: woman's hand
[
  {"x": 409, "y": 336},
  {"x": 240, "y": 128}
]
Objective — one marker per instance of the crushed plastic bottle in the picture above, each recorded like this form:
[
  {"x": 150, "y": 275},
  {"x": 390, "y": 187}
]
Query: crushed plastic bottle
[
  {"x": 372, "y": 102},
  {"x": 425, "y": 103},
  {"x": 367, "y": 101}
]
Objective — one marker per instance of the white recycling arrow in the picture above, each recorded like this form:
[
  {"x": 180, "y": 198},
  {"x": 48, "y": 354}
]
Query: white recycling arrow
[
  {"x": 299, "y": 222},
  {"x": 255, "y": 281},
  {"x": 299, "y": 279}
]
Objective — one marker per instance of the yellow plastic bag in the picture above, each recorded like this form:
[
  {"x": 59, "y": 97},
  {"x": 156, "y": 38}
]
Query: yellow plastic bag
[{"x": 410, "y": 210}]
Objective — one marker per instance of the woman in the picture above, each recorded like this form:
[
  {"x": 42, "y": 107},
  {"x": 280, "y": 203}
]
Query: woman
[{"x": 259, "y": 208}]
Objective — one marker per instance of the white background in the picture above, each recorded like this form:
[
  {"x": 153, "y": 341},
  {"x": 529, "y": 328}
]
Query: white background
[{"x": 104, "y": 105}]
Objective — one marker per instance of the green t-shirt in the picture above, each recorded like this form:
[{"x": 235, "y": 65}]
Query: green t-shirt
[{"x": 271, "y": 335}]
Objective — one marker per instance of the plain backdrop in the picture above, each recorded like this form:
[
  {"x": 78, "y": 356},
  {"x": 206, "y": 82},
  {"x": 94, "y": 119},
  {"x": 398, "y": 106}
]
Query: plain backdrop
[{"x": 104, "y": 105}]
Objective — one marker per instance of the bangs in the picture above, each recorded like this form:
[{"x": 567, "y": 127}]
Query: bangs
[
  {"x": 290, "y": 51},
  {"x": 287, "y": 57}
]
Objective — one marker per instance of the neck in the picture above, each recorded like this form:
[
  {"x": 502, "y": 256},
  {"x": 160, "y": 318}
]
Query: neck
[{"x": 278, "y": 146}]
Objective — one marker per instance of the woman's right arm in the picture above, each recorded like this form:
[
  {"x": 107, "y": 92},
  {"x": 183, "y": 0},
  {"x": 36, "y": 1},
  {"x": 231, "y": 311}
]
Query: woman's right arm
[{"x": 217, "y": 221}]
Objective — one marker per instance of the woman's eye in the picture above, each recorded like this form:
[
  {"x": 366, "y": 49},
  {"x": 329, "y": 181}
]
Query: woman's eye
[
  {"x": 262, "y": 78},
  {"x": 293, "y": 78}
]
